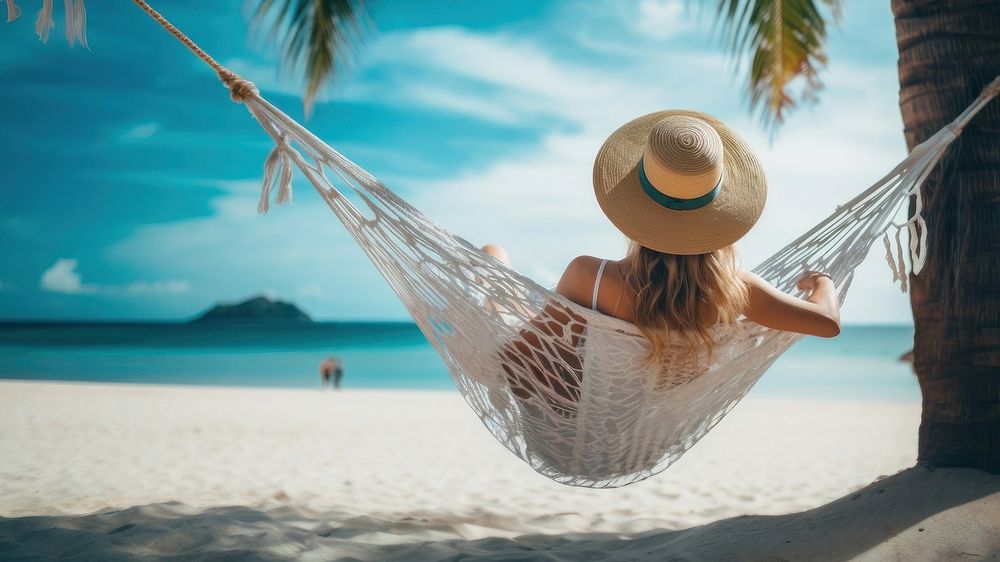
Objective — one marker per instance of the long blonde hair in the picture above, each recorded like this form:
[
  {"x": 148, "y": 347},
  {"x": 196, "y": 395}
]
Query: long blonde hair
[{"x": 684, "y": 295}]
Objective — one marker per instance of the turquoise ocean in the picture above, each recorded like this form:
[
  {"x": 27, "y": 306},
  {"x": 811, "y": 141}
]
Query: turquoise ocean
[{"x": 861, "y": 364}]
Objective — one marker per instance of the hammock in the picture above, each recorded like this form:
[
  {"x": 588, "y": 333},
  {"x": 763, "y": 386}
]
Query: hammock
[{"x": 567, "y": 389}]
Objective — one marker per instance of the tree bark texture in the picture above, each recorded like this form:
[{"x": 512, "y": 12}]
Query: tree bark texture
[{"x": 949, "y": 50}]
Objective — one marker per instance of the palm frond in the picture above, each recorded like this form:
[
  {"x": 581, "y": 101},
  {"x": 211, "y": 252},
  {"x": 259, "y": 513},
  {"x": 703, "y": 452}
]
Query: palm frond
[
  {"x": 319, "y": 36},
  {"x": 786, "y": 43}
]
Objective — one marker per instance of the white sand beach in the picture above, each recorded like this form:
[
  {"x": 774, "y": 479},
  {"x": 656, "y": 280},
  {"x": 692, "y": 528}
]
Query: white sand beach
[{"x": 269, "y": 474}]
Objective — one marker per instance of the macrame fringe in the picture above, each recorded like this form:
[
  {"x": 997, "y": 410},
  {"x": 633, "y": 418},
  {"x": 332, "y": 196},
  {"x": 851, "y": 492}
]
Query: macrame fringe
[
  {"x": 895, "y": 256},
  {"x": 889, "y": 258},
  {"x": 13, "y": 11},
  {"x": 44, "y": 23},
  {"x": 285, "y": 183},
  {"x": 279, "y": 156},
  {"x": 76, "y": 23},
  {"x": 76, "y": 20},
  {"x": 918, "y": 234},
  {"x": 902, "y": 261}
]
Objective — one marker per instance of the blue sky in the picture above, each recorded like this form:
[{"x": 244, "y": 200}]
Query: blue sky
[{"x": 131, "y": 180}]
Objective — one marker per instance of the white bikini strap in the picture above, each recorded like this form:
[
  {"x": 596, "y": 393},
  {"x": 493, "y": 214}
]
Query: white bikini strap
[{"x": 597, "y": 283}]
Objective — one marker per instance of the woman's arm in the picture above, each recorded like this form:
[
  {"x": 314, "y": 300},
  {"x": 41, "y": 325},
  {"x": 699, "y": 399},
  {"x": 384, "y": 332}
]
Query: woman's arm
[{"x": 817, "y": 315}]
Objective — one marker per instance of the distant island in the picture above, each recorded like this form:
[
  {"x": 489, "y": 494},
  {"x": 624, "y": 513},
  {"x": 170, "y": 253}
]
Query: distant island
[{"x": 256, "y": 309}]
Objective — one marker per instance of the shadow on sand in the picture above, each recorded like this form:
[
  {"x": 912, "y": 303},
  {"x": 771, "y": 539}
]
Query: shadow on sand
[{"x": 918, "y": 514}]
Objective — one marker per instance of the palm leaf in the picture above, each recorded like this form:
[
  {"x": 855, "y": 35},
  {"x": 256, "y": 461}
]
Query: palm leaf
[
  {"x": 786, "y": 43},
  {"x": 320, "y": 36}
]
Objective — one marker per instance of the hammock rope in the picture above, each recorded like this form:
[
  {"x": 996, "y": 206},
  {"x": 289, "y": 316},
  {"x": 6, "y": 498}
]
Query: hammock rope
[
  {"x": 239, "y": 88},
  {"x": 567, "y": 389}
]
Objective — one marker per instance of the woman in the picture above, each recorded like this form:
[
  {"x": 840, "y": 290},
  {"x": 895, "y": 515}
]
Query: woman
[
  {"x": 594, "y": 401},
  {"x": 683, "y": 188}
]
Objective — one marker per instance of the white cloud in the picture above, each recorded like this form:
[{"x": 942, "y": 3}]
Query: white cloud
[
  {"x": 436, "y": 96},
  {"x": 62, "y": 277},
  {"x": 141, "y": 131},
  {"x": 639, "y": 30},
  {"x": 661, "y": 19},
  {"x": 500, "y": 78}
]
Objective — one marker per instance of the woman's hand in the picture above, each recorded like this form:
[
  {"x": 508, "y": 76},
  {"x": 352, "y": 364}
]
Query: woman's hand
[{"x": 810, "y": 280}]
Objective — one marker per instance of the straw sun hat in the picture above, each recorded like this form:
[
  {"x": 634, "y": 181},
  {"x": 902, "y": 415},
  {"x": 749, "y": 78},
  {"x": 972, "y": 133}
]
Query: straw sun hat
[{"x": 679, "y": 182}]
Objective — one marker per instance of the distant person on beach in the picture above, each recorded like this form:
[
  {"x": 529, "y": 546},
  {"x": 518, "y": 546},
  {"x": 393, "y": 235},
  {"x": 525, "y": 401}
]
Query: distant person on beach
[{"x": 331, "y": 368}]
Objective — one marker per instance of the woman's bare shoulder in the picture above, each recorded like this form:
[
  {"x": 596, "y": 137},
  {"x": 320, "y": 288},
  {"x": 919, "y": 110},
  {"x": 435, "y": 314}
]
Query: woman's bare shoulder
[
  {"x": 577, "y": 281},
  {"x": 583, "y": 263}
]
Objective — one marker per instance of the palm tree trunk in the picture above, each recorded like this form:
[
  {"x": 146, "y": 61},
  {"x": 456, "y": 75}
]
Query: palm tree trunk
[{"x": 949, "y": 50}]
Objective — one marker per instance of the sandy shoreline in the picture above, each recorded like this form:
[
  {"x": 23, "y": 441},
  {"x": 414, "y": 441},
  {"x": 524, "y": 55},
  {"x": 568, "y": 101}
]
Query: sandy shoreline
[{"x": 384, "y": 462}]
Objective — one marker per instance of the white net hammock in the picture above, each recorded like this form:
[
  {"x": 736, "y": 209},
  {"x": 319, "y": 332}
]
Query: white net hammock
[{"x": 565, "y": 388}]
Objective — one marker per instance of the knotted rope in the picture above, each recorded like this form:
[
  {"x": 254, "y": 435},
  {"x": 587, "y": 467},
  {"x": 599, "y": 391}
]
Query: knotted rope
[
  {"x": 76, "y": 30},
  {"x": 279, "y": 164},
  {"x": 239, "y": 88}
]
